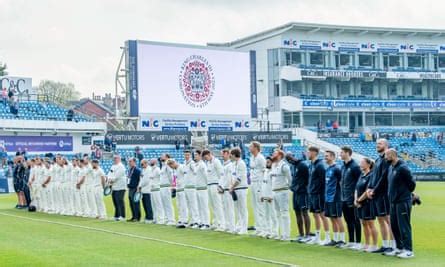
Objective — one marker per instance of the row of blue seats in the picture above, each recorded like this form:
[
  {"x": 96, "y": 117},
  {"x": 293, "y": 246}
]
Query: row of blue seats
[
  {"x": 420, "y": 149},
  {"x": 33, "y": 110}
]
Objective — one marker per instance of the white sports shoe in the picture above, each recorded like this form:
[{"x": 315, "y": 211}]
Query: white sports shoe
[
  {"x": 406, "y": 254},
  {"x": 313, "y": 241},
  {"x": 348, "y": 246},
  {"x": 324, "y": 242},
  {"x": 285, "y": 238}
]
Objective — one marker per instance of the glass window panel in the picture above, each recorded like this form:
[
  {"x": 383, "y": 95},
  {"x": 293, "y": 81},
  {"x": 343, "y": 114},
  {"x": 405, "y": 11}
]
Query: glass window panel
[
  {"x": 365, "y": 60},
  {"x": 316, "y": 58}
]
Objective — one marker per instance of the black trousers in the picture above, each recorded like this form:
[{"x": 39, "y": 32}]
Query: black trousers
[
  {"x": 400, "y": 216},
  {"x": 27, "y": 195},
  {"x": 146, "y": 202},
  {"x": 134, "y": 206},
  {"x": 352, "y": 222},
  {"x": 118, "y": 202}
]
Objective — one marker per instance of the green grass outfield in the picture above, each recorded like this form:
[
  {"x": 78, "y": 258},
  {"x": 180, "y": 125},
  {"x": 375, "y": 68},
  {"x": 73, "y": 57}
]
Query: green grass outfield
[{"x": 36, "y": 239}]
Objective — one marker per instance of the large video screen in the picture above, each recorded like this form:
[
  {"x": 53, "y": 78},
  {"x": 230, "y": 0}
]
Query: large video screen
[{"x": 181, "y": 79}]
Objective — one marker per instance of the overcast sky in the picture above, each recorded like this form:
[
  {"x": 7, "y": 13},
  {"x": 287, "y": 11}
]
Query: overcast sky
[{"x": 78, "y": 41}]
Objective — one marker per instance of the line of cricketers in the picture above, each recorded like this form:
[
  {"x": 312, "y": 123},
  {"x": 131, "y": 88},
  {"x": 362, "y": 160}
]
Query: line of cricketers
[
  {"x": 68, "y": 188},
  {"x": 202, "y": 185}
]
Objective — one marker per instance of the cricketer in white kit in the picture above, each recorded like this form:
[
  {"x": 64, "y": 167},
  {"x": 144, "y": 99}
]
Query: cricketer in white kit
[
  {"x": 271, "y": 227},
  {"x": 257, "y": 168},
  {"x": 201, "y": 191},
  {"x": 239, "y": 186},
  {"x": 225, "y": 183},
  {"x": 166, "y": 190},
  {"x": 281, "y": 178},
  {"x": 214, "y": 174}
]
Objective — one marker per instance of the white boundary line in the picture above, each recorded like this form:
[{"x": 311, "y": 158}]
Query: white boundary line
[{"x": 155, "y": 239}]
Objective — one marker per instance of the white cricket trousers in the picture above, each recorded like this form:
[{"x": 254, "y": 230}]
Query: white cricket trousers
[
  {"x": 85, "y": 205},
  {"x": 78, "y": 211},
  {"x": 241, "y": 211},
  {"x": 192, "y": 205},
  {"x": 258, "y": 208},
  {"x": 270, "y": 219},
  {"x": 215, "y": 200},
  {"x": 181, "y": 204},
  {"x": 91, "y": 197},
  {"x": 229, "y": 212},
  {"x": 203, "y": 206},
  {"x": 35, "y": 195},
  {"x": 166, "y": 198},
  {"x": 158, "y": 210},
  {"x": 56, "y": 197},
  {"x": 281, "y": 199},
  {"x": 43, "y": 198},
  {"x": 66, "y": 205},
  {"x": 99, "y": 202}
]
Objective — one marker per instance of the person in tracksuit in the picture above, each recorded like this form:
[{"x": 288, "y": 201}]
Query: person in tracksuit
[
  {"x": 190, "y": 190},
  {"x": 316, "y": 189},
  {"x": 401, "y": 185},
  {"x": 281, "y": 179},
  {"x": 365, "y": 210},
  {"x": 378, "y": 192},
  {"x": 225, "y": 183},
  {"x": 299, "y": 184},
  {"x": 350, "y": 173},
  {"x": 271, "y": 225},
  {"x": 166, "y": 190},
  {"x": 201, "y": 191},
  {"x": 257, "y": 166},
  {"x": 333, "y": 203},
  {"x": 214, "y": 173},
  {"x": 239, "y": 187},
  {"x": 179, "y": 171}
]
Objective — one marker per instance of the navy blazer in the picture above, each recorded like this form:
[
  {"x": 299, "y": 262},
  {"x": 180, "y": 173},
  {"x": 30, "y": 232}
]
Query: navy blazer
[{"x": 134, "y": 175}]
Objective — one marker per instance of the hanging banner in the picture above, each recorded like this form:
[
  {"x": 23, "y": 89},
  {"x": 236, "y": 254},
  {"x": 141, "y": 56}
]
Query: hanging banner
[
  {"x": 37, "y": 143},
  {"x": 148, "y": 137},
  {"x": 215, "y": 137}
]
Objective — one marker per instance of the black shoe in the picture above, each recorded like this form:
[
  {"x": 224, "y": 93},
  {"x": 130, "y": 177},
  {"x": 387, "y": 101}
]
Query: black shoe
[
  {"x": 340, "y": 244},
  {"x": 251, "y": 228},
  {"x": 180, "y": 226},
  {"x": 380, "y": 250},
  {"x": 387, "y": 250},
  {"x": 297, "y": 240},
  {"x": 331, "y": 244}
]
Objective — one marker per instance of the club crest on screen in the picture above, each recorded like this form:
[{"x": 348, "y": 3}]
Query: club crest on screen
[{"x": 196, "y": 81}]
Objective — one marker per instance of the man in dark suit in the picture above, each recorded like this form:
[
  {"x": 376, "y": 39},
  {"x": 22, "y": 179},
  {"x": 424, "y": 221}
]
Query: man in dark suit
[{"x": 134, "y": 175}]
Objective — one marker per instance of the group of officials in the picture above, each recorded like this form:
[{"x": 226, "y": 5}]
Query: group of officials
[{"x": 202, "y": 185}]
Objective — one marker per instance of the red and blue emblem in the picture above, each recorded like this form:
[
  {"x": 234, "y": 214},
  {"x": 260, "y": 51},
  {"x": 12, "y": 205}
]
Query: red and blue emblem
[{"x": 196, "y": 81}]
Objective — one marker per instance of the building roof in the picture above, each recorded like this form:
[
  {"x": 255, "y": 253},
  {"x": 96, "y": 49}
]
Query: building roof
[
  {"x": 333, "y": 29},
  {"x": 88, "y": 100}
]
